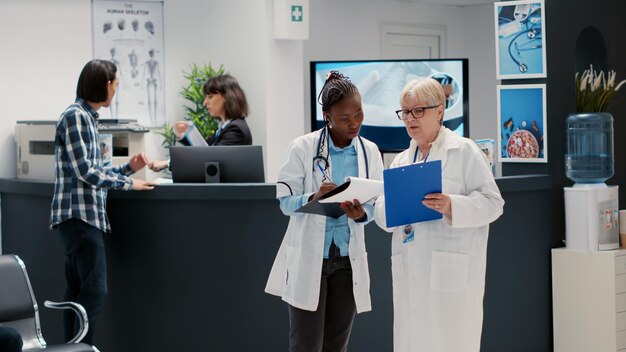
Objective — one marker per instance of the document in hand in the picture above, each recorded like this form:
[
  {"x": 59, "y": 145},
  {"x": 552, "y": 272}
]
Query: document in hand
[
  {"x": 354, "y": 188},
  {"x": 362, "y": 189},
  {"x": 194, "y": 137},
  {"x": 405, "y": 188}
]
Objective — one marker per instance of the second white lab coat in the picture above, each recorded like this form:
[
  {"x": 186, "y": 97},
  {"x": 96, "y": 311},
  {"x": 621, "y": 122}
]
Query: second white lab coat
[
  {"x": 439, "y": 277},
  {"x": 296, "y": 273}
]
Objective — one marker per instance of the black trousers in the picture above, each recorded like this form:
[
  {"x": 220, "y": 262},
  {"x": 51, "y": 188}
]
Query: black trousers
[
  {"x": 10, "y": 340},
  {"x": 328, "y": 328},
  {"x": 85, "y": 273}
]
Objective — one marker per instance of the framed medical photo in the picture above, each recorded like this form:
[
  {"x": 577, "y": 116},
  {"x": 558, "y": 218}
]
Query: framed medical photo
[
  {"x": 488, "y": 146},
  {"x": 520, "y": 43},
  {"x": 522, "y": 125}
]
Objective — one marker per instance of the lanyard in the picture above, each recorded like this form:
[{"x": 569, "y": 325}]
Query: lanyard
[{"x": 415, "y": 155}]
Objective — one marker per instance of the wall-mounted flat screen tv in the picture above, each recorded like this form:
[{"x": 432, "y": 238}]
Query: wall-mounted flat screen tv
[{"x": 380, "y": 83}]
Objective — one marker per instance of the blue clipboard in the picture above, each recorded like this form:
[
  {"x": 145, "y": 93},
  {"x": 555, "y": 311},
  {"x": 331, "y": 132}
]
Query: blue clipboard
[{"x": 405, "y": 188}]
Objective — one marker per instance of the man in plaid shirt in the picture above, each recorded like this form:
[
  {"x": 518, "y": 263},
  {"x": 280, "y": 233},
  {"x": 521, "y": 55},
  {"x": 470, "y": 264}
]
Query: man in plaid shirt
[{"x": 82, "y": 180}]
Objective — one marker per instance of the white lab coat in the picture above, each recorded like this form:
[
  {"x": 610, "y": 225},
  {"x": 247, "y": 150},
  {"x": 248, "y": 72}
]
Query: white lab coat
[
  {"x": 439, "y": 277},
  {"x": 296, "y": 272}
]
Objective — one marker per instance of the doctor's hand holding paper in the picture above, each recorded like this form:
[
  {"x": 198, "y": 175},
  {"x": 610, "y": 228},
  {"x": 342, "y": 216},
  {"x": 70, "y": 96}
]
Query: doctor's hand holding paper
[
  {"x": 438, "y": 266},
  {"x": 351, "y": 208},
  {"x": 321, "y": 267}
]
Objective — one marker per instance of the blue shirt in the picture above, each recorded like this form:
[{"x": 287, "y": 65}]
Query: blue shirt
[
  {"x": 344, "y": 163},
  {"x": 82, "y": 179}
]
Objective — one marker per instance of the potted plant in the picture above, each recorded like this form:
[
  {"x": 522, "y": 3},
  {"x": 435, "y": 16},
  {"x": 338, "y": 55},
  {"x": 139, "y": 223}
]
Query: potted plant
[
  {"x": 167, "y": 132},
  {"x": 195, "y": 111},
  {"x": 594, "y": 91}
]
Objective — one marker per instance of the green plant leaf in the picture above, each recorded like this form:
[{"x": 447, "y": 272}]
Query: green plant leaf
[
  {"x": 193, "y": 92},
  {"x": 167, "y": 132}
]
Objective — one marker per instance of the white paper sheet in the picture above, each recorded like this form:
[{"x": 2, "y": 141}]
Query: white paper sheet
[
  {"x": 359, "y": 188},
  {"x": 162, "y": 181},
  {"x": 194, "y": 137}
]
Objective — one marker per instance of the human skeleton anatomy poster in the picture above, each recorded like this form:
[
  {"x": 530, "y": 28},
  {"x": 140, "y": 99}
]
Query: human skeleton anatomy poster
[{"x": 130, "y": 34}]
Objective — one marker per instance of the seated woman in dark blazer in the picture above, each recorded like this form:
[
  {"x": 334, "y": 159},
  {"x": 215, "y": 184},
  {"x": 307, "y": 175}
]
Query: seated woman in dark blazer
[{"x": 226, "y": 101}]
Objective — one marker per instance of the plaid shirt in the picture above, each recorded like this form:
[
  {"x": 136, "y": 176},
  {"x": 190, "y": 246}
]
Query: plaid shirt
[{"x": 82, "y": 179}]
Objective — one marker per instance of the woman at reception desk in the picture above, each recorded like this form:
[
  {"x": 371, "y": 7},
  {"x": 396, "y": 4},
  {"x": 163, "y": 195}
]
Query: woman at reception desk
[{"x": 226, "y": 101}]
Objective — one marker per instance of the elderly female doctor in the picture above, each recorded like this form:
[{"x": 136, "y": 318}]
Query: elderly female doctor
[
  {"x": 438, "y": 267},
  {"x": 321, "y": 268}
]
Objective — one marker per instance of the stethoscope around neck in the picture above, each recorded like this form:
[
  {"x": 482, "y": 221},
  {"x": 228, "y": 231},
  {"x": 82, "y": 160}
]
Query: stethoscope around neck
[{"x": 321, "y": 162}]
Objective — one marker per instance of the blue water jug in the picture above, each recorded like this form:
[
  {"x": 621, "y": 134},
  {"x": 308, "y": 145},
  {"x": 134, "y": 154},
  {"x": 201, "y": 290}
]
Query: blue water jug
[{"x": 589, "y": 152}]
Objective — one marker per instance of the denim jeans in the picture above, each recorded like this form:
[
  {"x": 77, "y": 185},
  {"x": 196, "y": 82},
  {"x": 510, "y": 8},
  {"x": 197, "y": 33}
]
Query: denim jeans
[
  {"x": 328, "y": 328},
  {"x": 85, "y": 273}
]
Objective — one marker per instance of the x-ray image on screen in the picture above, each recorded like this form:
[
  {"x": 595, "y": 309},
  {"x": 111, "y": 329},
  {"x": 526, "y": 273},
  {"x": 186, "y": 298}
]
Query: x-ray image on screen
[{"x": 380, "y": 84}]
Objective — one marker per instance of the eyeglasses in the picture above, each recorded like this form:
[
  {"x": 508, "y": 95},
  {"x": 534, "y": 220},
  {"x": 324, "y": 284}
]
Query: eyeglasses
[{"x": 417, "y": 112}]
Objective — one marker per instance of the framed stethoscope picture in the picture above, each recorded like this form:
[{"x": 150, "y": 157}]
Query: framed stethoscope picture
[
  {"x": 520, "y": 39},
  {"x": 522, "y": 123}
]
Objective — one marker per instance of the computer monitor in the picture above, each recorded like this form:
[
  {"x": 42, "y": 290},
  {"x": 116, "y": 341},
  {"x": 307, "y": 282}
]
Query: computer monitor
[
  {"x": 380, "y": 83},
  {"x": 223, "y": 163}
]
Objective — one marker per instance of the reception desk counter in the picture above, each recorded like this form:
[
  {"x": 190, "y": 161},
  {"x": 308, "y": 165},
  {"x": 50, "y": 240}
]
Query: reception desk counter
[{"x": 188, "y": 264}]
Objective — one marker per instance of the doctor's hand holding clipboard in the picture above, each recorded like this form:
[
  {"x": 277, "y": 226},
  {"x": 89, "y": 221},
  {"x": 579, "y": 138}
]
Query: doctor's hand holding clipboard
[
  {"x": 413, "y": 194},
  {"x": 353, "y": 210}
]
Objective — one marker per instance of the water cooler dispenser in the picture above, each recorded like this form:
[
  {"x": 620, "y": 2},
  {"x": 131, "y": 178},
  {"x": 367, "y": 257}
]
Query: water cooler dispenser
[{"x": 591, "y": 207}]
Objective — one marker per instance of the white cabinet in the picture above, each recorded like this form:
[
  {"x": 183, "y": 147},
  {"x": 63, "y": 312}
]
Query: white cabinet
[{"x": 589, "y": 300}]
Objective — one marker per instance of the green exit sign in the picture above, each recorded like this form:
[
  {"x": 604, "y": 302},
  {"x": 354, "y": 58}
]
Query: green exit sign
[{"x": 296, "y": 13}]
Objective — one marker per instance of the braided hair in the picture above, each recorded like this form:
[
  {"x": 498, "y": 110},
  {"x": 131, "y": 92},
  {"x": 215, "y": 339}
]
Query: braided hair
[{"x": 336, "y": 87}]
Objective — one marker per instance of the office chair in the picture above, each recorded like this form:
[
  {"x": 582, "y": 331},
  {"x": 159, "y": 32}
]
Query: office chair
[{"x": 18, "y": 309}]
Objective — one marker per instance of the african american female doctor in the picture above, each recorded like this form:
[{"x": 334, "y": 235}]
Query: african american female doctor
[
  {"x": 321, "y": 267},
  {"x": 438, "y": 267}
]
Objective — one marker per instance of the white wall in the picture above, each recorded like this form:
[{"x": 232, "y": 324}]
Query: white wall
[
  {"x": 480, "y": 49},
  {"x": 39, "y": 63},
  {"x": 350, "y": 29}
]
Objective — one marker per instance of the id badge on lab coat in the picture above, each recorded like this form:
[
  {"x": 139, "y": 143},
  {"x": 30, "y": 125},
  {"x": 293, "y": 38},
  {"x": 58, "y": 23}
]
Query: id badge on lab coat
[{"x": 408, "y": 234}]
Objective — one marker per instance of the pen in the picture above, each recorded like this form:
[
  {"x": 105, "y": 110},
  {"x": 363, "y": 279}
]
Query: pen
[{"x": 324, "y": 172}]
